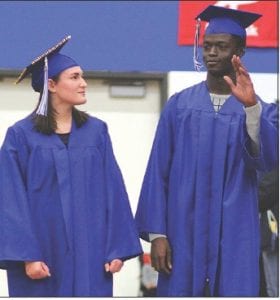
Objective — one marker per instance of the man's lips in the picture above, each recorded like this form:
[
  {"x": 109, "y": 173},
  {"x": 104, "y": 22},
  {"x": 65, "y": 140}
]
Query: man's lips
[{"x": 212, "y": 62}]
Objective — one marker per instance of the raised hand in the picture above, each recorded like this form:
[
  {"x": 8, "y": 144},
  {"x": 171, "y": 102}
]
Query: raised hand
[{"x": 243, "y": 89}]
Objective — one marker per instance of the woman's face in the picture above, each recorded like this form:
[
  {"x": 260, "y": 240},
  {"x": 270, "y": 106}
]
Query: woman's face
[{"x": 70, "y": 88}]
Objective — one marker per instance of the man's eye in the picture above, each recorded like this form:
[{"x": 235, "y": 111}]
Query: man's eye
[{"x": 223, "y": 47}]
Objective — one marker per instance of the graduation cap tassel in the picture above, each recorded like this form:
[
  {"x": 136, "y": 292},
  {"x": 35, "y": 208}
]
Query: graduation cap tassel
[
  {"x": 197, "y": 64},
  {"x": 43, "y": 106}
]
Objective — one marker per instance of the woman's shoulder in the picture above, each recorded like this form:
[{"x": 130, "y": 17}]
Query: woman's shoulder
[
  {"x": 19, "y": 132},
  {"x": 24, "y": 124},
  {"x": 95, "y": 120},
  {"x": 96, "y": 123}
]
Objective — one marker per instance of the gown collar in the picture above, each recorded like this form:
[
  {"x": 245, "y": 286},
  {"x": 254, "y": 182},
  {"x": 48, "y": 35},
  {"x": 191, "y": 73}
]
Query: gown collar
[{"x": 232, "y": 105}]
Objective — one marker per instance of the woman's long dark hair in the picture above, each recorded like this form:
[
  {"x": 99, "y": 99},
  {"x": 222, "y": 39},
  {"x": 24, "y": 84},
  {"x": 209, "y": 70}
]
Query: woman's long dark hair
[{"x": 47, "y": 124}]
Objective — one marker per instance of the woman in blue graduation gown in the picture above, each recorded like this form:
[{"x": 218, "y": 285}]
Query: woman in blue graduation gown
[
  {"x": 65, "y": 220},
  {"x": 198, "y": 204}
]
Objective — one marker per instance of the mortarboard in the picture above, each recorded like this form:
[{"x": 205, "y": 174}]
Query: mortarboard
[
  {"x": 223, "y": 20},
  {"x": 45, "y": 66}
]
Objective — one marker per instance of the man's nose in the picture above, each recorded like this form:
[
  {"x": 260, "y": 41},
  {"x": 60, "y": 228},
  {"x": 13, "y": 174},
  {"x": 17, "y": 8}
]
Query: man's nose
[{"x": 213, "y": 50}]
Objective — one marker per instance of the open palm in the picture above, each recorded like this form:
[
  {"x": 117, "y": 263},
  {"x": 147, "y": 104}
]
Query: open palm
[{"x": 243, "y": 89}]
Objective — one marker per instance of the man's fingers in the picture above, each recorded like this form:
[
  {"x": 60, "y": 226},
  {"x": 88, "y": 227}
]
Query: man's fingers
[
  {"x": 161, "y": 255},
  {"x": 244, "y": 72},
  {"x": 160, "y": 265},
  {"x": 235, "y": 63},
  {"x": 168, "y": 259},
  {"x": 229, "y": 81},
  {"x": 155, "y": 263},
  {"x": 163, "y": 265}
]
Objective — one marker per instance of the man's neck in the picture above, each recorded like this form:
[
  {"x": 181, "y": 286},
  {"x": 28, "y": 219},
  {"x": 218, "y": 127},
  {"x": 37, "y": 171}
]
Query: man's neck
[{"x": 217, "y": 85}]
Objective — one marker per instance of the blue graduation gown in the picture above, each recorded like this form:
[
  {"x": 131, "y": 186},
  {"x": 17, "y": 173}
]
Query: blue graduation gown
[
  {"x": 200, "y": 190},
  {"x": 65, "y": 206}
]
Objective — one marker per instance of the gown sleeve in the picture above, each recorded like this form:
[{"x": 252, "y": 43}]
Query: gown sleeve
[
  {"x": 268, "y": 140},
  {"x": 122, "y": 237},
  {"x": 18, "y": 242},
  {"x": 151, "y": 212}
]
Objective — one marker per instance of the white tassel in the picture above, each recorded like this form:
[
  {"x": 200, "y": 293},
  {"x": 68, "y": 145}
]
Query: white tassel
[
  {"x": 197, "y": 64},
  {"x": 43, "y": 106}
]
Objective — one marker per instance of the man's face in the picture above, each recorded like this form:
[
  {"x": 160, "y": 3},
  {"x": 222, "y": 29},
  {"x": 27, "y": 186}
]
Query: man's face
[{"x": 218, "y": 50}]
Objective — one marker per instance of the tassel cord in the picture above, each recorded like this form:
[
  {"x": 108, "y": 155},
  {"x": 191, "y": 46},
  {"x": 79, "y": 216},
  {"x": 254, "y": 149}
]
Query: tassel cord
[
  {"x": 197, "y": 64},
  {"x": 43, "y": 106}
]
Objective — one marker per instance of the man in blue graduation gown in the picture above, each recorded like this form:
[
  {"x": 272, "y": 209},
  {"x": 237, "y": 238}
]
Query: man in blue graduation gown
[
  {"x": 65, "y": 219},
  {"x": 198, "y": 204}
]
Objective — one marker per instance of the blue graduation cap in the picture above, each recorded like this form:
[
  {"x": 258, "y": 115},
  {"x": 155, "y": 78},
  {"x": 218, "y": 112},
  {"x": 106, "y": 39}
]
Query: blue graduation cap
[
  {"x": 223, "y": 20},
  {"x": 45, "y": 66}
]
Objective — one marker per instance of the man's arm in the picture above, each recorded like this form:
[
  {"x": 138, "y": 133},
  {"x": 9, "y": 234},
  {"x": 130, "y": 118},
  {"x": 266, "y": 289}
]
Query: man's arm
[
  {"x": 243, "y": 90},
  {"x": 253, "y": 114}
]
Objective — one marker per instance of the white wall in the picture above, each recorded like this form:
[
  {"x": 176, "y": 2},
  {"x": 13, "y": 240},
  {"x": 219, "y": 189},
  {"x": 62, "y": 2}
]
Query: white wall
[
  {"x": 3, "y": 284},
  {"x": 265, "y": 84}
]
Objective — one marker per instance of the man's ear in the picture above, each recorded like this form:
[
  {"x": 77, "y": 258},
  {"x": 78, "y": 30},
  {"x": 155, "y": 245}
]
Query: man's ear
[
  {"x": 240, "y": 52},
  {"x": 52, "y": 85}
]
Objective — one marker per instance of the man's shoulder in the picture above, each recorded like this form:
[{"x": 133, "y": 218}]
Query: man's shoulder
[
  {"x": 187, "y": 95},
  {"x": 196, "y": 88}
]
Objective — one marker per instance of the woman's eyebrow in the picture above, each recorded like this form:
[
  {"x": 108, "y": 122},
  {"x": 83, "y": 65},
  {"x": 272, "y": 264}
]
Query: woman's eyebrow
[{"x": 77, "y": 73}]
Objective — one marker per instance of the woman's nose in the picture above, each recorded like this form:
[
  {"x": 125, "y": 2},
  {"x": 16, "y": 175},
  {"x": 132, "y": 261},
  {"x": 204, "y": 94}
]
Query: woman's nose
[{"x": 83, "y": 82}]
